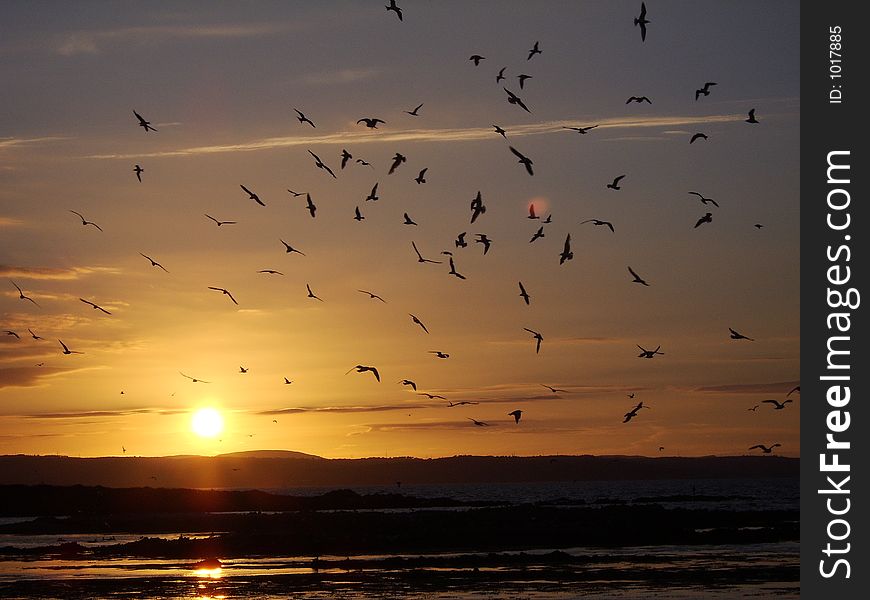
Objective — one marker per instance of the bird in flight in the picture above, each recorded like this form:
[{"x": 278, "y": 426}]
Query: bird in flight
[
  {"x": 252, "y": 195},
  {"x": 532, "y": 214},
  {"x": 219, "y": 223},
  {"x": 321, "y": 165},
  {"x": 138, "y": 170},
  {"x": 477, "y": 207},
  {"x": 224, "y": 292},
  {"x": 420, "y": 258},
  {"x": 295, "y": 194},
  {"x": 758, "y": 225},
  {"x": 522, "y": 79},
  {"x": 644, "y": 353},
  {"x": 538, "y": 234},
  {"x": 516, "y": 414},
  {"x": 523, "y": 294},
  {"x": 599, "y": 222},
  {"x": 270, "y": 271},
  {"x": 476, "y": 58},
  {"x": 500, "y": 76},
  {"x": 704, "y": 90},
  {"x": 364, "y": 163},
  {"x": 439, "y": 354},
  {"x": 754, "y": 408},
  {"x": 363, "y": 369},
  {"x": 94, "y": 306},
  {"x": 707, "y": 218},
  {"x": 698, "y": 136},
  {"x": 372, "y": 295},
  {"x": 431, "y": 396},
  {"x": 13, "y": 334},
  {"x": 535, "y": 50},
  {"x": 461, "y": 403},
  {"x": 638, "y": 99},
  {"x": 85, "y": 222},
  {"x": 554, "y": 390},
  {"x": 193, "y": 379},
  {"x": 243, "y": 370},
  {"x": 302, "y": 118},
  {"x": 414, "y": 112},
  {"x": 408, "y": 382},
  {"x": 538, "y": 339},
  {"x": 705, "y": 200},
  {"x": 478, "y": 423},
  {"x": 34, "y": 336},
  {"x": 67, "y": 350},
  {"x": 776, "y": 404},
  {"x": 460, "y": 240},
  {"x": 633, "y": 412},
  {"x": 357, "y": 214},
  {"x": 642, "y": 21},
  {"x": 392, "y": 7},
  {"x": 566, "y": 251},
  {"x": 286, "y": 382},
  {"x": 312, "y": 294},
  {"x": 453, "y": 270},
  {"x": 739, "y": 336},
  {"x": 345, "y": 156},
  {"x": 373, "y": 195},
  {"x": 398, "y": 159},
  {"x": 309, "y": 204},
  {"x": 371, "y": 123},
  {"x": 615, "y": 184},
  {"x": 525, "y": 161},
  {"x": 21, "y": 295},
  {"x": 154, "y": 263},
  {"x": 765, "y": 449},
  {"x": 146, "y": 125},
  {"x": 500, "y": 131},
  {"x": 581, "y": 130},
  {"x": 751, "y": 118},
  {"x": 514, "y": 99},
  {"x": 482, "y": 239},
  {"x": 637, "y": 278},
  {"x": 290, "y": 249},
  {"x": 418, "y": 322},
  {"x": 421, "y": 178},
  {"x": 796, "y": 388}
]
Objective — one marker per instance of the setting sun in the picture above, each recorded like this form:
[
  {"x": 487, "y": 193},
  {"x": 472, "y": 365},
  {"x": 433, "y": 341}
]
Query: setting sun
[{"x": 207, "y": 422}]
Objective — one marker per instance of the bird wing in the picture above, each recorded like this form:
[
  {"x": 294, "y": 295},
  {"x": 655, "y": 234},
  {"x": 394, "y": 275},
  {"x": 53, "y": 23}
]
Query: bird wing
[{"x": 757, "y": 446}]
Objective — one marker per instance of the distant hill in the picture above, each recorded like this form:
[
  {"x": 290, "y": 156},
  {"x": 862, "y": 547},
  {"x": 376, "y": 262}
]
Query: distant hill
[
  {"x": 244, "y": 471},
  {"x": 268, "y": 454}
]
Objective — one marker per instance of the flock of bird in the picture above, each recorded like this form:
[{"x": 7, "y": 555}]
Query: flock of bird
[{"x": 477, "y": 210}]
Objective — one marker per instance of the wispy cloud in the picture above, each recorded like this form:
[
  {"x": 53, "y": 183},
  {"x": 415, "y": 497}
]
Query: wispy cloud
[
  {"x": 102, "y": 413},
  {"x": 423, "y": 135},
  {"x": 341, "y": 76},
  {"x": 348, "y": 409},
  {"x": 10, "y": 222},
  {"x": 54, "y": 273},
  {"x": 7, "y": 143},
  {"x": 782, "y": 387}
]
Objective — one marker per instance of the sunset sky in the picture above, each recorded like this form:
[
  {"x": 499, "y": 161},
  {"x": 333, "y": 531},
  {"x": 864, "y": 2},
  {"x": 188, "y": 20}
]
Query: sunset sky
[{"x": 220, "y": 81}]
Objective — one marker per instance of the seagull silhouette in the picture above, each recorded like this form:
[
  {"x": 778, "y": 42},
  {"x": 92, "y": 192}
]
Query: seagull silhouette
[
  {"x": 500, "y": 131},
  {"x": 705, "y": 90},
  {"x": 523, "y": 294},
  {"x": 514, "y": 99},
  {"x": 476, "y": 58},
  {"x": 554, "y": 390},
  {"x": 633, "y": 412},
  {"x": 751, "y": 118},
  {"x": 85, "y": 222},
  {"x": 219, "y": 223},
  {"x": 765, "y": 449},
  {"x": 34, "y": 336},
  {"x": 67, "y": 350},
  {"x": 146, "y": 125},
  {"x": 477, "y": 207},
  {"x": 371, "y": 123},
  {"x": 644, "y": 353},
  {"x": 599, "y": 222},
  {"x": 302, "y": 118},
  {"x": 453, "y": 270},
  {"x": 705, "y": 200},
  {"x": 414, "y": 112},
  {"x": 224, "y": 292},
  {"x": 516, "y": 414},
  {"x": 538, "y": 234},
  {"x": 776, "y": 404},
  {"x": 739, "y": 336},
  {"x": 460, "y": 240},
  {"x": 754, "y": 408},
  {"x": 392, "y": 7},
  {"x": 482, "y": 239},
  {"x": 638, "y": 99},
  {"x": 13, "y": 334},
  {"x": 439, "y": 354},
  {"x": 286, "y": 382},
  {"x": 796, "y": 388},
  {"x": 478, "y": 423},
  {"x": 421, "y": 178},
  {"x": 290, "y": 249},
  {"x": 535, "y": 50},
  {"x": 364, "y": 163},
  {"x": 500, "y": 76},
  {"x": 295, "y": 194},
  {"x": 398, "y": 159},
  {"x": 312, "y": 294},
  {"x": 461, "y": 403},
  {"x": 154, "y": 263},
  {"x": 138, "y": 170},
  {"x": 642, "y": 21},
  {"x": 21, "y": 295},
  {"x": 309, "y": 204},
  {"x": 243, "y": 370},
  {"x": 321, "y": 165},
  {"x": 420, "y": 258},
  {"x": 532, "y": 214},
  {"x": 525, "y": 161},
  {"x": 357, "y": 214},
  {"x": 707, "y": 218},
  {"x": 94, "y": 306},
  {"x": 431, "y": 396},
  {"x": 522, "y": 79},
  {"x": 615, "y": 184},
  {"x": 538, "y": 339},
  {"x": 566, "y": 251},
  {"x": 193, "y": 379},
  {"x": 418, "y": 322},
  {"x": 698, "y": 136},
  {"x": 270, "y": 271},
  {"x": 373, "y": 195},
  {"x": 252, "y": 195},
  {"x": 409, "y": 383},
  {"x": 637, "y": 278},
  {"x": 372, "y": 295},
  {"x": 581, "y": 130},
  {"x": 363, "y": 369},
  {"x": 345, "y": 156}
]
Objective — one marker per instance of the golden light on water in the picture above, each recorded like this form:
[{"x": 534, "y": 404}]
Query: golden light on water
[{"x": 207, "y": 422}]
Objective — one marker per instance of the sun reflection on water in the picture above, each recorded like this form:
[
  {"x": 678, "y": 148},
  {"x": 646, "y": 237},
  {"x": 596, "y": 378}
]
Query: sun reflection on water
[{"x": 208, "y": 573}]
